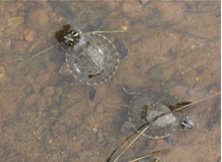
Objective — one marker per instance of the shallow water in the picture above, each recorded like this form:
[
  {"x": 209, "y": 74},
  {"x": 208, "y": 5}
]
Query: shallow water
[{"x": 46, "y": 116}]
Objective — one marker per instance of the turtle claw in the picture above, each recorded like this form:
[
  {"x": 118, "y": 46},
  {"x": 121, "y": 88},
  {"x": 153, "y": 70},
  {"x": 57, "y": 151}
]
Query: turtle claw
[
  {"x": 126, "y": 89},
  {"x": 127, "y": 127}
]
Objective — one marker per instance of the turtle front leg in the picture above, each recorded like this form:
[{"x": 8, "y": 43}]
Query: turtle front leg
[{"x": 171, "y": 141}]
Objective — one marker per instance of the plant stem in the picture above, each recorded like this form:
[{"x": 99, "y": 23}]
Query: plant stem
[
  {"x": 112, "y": 31},
  {"x": 41, "y": 52}
]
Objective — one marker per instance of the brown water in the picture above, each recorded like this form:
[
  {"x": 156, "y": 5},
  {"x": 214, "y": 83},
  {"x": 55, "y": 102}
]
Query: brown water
[{"x": 45, "y": 116}]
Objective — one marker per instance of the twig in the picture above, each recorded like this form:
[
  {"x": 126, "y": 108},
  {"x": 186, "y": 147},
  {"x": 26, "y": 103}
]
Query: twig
[
  {"x": 101, "y": 32},
  {"x": 151, "y": 154},
  {"x": 196, "y": 102},
  {"x": 41, "y": 52}
]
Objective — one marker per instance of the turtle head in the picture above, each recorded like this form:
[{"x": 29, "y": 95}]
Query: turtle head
[
  {"x": 67, "y": 36},
  {"x": 185, "y": 124}
]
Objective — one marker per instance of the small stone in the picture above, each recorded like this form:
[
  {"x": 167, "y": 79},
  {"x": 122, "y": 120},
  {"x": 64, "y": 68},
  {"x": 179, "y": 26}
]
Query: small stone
[
  {"x": 144, "y": 2},
  {"x": 36, "y": 88},
  {"x": 3, "y": 76},
  {"x": 42, "y": 104},
  {"x": 38, "y": 19},
  {"x": 100, "y": 136},
  {"x": 43, "y": 77},
  {"x": 100, "y": 108},
  {"x": 95, "y": 129},
  {"x": 49, "y": 91},
  {"x": 54, "y": 113},
  {"x": 29, "y": 35},
  {"x": 30, "y": 100},
  {"x": 20, "y": 47},
  {"x": 59, "y": 91},
  {"x": 14, "y": 22},
  {"x": 74, "y": 138},
  {"x": 131, "y": 8}
]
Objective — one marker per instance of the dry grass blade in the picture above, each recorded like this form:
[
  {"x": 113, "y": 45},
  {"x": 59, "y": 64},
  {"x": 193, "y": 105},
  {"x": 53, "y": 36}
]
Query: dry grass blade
[
  {"x": 34, "y": 56},
  {"x": 151, "y": 154},
  {"x": 148, "y": 125},
  {"x": 41, "y": 52},
  {"x": 103, "y": 32}
]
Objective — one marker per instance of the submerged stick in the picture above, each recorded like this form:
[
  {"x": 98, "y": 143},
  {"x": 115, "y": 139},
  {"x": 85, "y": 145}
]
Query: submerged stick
[
  {"x": 41, "y": 52},
  {"x": 151, "y": 154},
  {"x": 152, "y": 121},
  {"x": 102, "y": 32},
  {"x": 34, "y": 56}
]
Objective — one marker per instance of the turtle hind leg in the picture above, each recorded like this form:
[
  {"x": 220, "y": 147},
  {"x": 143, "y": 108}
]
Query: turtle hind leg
[
  {"x": 127, "y": 127},
  {"x": 92, "y": 93},
  {"x": 171, "y": 141},
  {"x": 121, "y": 48}
]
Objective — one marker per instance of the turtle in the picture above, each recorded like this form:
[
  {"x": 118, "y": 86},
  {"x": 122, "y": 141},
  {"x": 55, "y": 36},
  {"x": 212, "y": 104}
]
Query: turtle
[
  {"x": 91, "y": 58},
  {"x": 145, "y": 107}
]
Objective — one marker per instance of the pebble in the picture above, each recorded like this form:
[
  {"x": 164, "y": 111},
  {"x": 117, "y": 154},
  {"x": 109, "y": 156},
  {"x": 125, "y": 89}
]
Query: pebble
[
  {"x": 38, "y": 19},
  {"x": 14, "y": 22},
  {"x": 42, "y": 104},
  {"x": 132, "y": 9},
  {"x": 49, "y": 91},
  {"x": 100, "y": 136},
  {"x": 95, "y": 129},
  {"x": 43, "y": 77},
  {"x": 29, "y": 35},
  {"x": 20, "y": 47},
  {"x": 59, "y": 91},
  {"x": 36, "y": 88},
  {"x": 100, "y": 108},
  {"x": 3, "y": 76},
  {"x": 30, "y": 100}
]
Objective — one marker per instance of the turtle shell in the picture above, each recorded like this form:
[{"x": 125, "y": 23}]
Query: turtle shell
[
  {"x": 149, "y": 104},
  {"x": 93, "y": 60}
]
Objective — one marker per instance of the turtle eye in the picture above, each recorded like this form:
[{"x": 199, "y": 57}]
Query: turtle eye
[{"x": 75, "y": 35}]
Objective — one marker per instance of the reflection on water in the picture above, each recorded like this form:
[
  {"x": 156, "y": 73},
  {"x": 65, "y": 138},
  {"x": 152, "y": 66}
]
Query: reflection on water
[{"x": 45, "y": 116}]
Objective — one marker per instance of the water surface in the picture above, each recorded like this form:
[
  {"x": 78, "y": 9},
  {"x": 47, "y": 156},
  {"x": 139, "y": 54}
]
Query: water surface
[{"x": 46, "y": 116}]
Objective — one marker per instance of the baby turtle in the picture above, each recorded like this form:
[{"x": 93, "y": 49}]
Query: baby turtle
[
  {"x": 147, "y": 105},
  {"x": 91, "y": 58}
]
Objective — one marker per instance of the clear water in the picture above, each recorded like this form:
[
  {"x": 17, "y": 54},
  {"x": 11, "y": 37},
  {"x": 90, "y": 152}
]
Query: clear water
[{"x": 46, "y": 116}]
